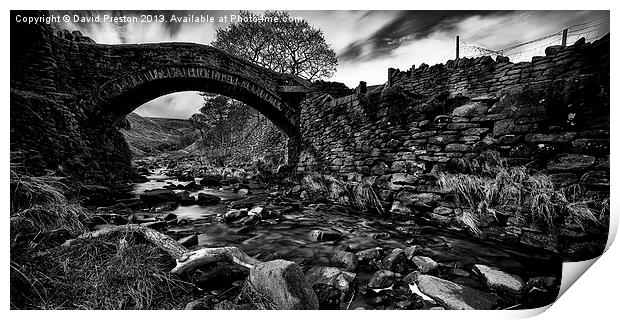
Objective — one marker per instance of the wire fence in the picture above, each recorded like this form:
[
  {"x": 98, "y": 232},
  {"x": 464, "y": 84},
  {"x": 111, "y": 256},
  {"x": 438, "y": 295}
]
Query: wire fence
[{"x": 591, "y": 30}]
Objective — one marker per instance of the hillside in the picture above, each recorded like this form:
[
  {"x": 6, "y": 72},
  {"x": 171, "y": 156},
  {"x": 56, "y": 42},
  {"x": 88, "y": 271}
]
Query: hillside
[{"x": 149, "y": 136}]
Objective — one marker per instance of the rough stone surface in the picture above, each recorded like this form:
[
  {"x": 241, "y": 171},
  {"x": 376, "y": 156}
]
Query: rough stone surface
[
  {"x": 454, "y": 296},
  {"x": 208, "y": 199},
  {"x": 425, "y": 264},
  {"x": 324, "y": 279},
  {"x": 285, "y": 284},
  {"x": 499, "y": 280},
  {"x": 381, "y": 279},
  {"x": 345, "y": 260},
  {"x": 396, "y": 261},
  {"x": 571, "y": 162},
  {"x": 365, "y": 256},
  {"x": 154, "y": 197}
]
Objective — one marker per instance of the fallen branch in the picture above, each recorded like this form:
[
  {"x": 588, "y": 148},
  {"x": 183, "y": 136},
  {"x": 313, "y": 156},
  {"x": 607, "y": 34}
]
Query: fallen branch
[
  {"x": 186, "y": 260},
  {"x": 193, "y": 259}
]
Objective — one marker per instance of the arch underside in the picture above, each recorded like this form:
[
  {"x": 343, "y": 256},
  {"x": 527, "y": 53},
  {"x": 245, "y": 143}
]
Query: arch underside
[{"x": 121, "y": 96}]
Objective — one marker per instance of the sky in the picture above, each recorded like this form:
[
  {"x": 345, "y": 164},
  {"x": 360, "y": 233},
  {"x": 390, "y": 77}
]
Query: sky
[{"x": 367, "y": 43}]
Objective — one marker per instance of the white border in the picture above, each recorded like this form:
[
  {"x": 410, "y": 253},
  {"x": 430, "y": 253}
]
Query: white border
[{"x": 595, "y": 295}]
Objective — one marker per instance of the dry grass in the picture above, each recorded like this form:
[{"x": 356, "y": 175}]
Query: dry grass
[
  {"x": 115, "y": 272},
  {"x": 27, "y": 190},
  {"x": 489, "y": 185},
  {"x": 359, "y": 195}
]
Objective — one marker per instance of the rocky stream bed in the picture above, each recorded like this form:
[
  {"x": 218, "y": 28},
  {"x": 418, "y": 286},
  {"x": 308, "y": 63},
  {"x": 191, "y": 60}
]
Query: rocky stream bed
[{"x": 351, "y": 259}]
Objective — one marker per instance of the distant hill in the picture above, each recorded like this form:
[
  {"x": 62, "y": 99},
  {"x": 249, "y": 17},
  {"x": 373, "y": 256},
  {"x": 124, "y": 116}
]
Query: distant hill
[{"x": 151, "y": 136}]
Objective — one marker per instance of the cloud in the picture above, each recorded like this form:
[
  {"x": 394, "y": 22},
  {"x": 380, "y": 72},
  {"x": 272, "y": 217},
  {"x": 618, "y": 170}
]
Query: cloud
[{"x": 178, "y": 105}]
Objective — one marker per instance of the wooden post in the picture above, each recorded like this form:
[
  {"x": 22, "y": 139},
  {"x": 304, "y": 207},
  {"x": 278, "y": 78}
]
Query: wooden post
[
  {"x": 457, "y": 47},
  {"x": 564, "y": 36}
]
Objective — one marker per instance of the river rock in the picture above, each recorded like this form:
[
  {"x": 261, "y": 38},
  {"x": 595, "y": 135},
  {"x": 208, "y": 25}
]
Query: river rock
[
  {"x": 425, "y": 264},
  {"x": 499, "y": 280},
  {"x": 186, "y": 199},
  {"x": 259, "y": 212},
  {"x": 285, "y": 284},
  {"x": 210, "y": 181},
  {"x": 365, "y": 256},
  {"x": 346, "y": 260},
  {"x": 330, "y": 284},
  {"x": 157, "y": 196},
  {"x": 157, "y": 225},
  {"x": 166, "y": 206},
  {"x": 234, "y": 214},
  {"x": 411, "y": 251},
  {"x": 208, "y": 199},
  {"x": 244, "y": 192},
  {"x": 189, "y": 241},
  {"x": 169, "y": 216},
  {"x": 381, "y": 279},
  {"x": 396, "y": 261},
  {"x": 454, "y": 296},
  {"x": 323, "y": 235}
]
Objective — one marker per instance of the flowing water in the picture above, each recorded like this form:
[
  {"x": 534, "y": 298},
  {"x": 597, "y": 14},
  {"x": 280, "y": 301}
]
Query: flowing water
[{"x": 290, "y": 239}]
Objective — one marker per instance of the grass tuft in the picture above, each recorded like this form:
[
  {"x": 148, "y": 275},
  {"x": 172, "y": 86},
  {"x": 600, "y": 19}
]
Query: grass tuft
[
  {"x": 356, "y": 194},
  {"x": 488, "y": 186}
]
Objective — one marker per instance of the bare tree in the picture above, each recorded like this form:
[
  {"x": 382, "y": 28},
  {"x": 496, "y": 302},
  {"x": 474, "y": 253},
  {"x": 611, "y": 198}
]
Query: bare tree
[{"x": 281, "y": 43}]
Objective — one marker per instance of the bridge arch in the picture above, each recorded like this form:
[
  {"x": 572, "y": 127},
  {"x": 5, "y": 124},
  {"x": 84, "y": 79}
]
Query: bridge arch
[{"x": 119, "y": 96}]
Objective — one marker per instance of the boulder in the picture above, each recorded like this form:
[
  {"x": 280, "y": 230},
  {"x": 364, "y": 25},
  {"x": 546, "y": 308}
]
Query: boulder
[
  {"x": 208, "y": 199},
  {"x": 330, "y": 284},
  {"x": 346, "y": 260},
  {"x": 368, "y": 255},
  {"x": 454, "y": 296},
  {"x": 499, "y": 280},
  {"x": 381, "y": 279},
  {"x": 425, "y": 264},
  {"x": 396, "y": 261},
  {"x": 411, "y": 251},
  {"x": 155, "y": 197},
  {"x": 285, "y": 284}
]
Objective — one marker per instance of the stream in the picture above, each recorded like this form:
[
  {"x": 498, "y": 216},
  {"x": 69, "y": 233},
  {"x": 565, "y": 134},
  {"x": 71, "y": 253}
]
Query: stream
[{"x": 289, "y": 237}]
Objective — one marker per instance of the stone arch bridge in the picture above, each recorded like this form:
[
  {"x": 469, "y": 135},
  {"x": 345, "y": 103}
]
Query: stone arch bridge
[{"x": 110, "y": 81}]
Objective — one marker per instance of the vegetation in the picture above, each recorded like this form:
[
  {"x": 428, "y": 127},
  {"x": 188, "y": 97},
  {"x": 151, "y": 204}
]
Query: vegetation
[
  {"x": 115, "y": 272},
  {"x": 360, "y": 195},
  {"x": 490, "y": 188},
  {"x": 293, "y": 47},
  {"x": 229, "y": 129},
  {"x": 234, "y": 131}
]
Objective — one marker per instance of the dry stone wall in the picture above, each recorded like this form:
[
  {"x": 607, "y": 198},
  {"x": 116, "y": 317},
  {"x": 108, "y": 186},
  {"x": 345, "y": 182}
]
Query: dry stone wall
[{"x": 551, "y": 113}]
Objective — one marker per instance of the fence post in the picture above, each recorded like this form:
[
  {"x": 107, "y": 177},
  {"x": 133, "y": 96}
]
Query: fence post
[
  {"x": 457, "y": 47},
  {"x": 564, "y": 36}
]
